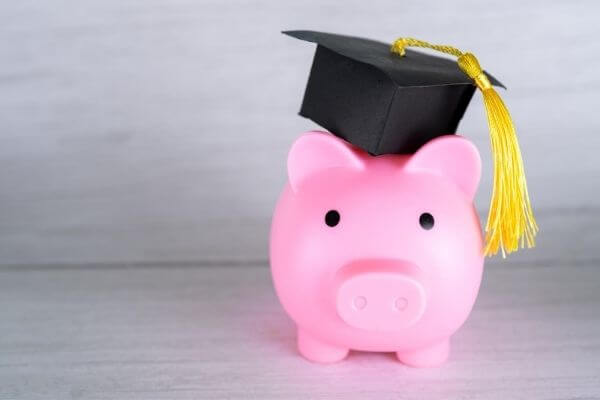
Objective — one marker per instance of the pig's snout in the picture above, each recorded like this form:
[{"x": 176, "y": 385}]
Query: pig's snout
[{"x": 388, "y": 297}]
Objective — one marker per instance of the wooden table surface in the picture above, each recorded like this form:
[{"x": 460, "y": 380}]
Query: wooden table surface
[{"x": 216, "y": 331}]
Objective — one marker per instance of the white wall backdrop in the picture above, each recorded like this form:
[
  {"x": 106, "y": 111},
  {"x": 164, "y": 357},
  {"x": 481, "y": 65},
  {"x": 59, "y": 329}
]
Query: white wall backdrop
[{"x": 152, "y": 131}]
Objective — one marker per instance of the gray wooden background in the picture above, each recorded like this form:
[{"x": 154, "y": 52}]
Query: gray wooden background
[{"x": 156, "y": 131}]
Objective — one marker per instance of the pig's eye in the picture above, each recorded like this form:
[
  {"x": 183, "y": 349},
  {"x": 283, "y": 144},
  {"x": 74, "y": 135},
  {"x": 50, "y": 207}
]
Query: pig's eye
[
  {"x": 332, "y": 218},
  {"x": 426, "y": 221}
]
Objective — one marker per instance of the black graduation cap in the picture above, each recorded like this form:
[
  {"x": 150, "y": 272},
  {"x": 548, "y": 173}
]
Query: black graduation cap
[
  {"x": 379, "y": 101},
  {"x": 387, "y": 99}
]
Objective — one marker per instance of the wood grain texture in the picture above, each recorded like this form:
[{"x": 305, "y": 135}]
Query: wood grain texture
[
  {"x": 218, "y": 333},
  {"x": 145, "y": 131}
]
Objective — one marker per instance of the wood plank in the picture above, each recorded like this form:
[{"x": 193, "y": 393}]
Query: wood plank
[{"x": 218, "y": 332}]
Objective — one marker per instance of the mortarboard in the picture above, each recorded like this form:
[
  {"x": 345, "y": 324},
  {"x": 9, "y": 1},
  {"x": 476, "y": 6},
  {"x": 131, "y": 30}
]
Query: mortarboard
[{"x": 387, "y": 100}]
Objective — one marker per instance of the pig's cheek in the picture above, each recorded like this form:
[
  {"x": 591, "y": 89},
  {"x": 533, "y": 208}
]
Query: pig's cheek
[
  {"x": 453, "y": 291},
  {"x": 455, "y": 298},
  {"x": 302, "y": 287},
  {"x": 452, "y": 263},
  {"x": 299, "y": 261},
  {"x": 315, "y": 258}
]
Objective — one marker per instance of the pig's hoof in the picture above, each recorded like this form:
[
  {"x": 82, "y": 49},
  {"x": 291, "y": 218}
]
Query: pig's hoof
[
  {"x": 431, "y": 356},
  {"x": 317, "y": 351}
]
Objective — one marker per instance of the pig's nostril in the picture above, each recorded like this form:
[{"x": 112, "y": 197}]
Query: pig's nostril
[
  {"x": 401, "y": 303},
  {"x": 360, "y": 302}
]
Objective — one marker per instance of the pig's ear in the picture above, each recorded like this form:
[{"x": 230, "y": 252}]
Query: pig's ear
[
  {"x": 316, "y": 151},
  {"x": 453, "y": 157}
]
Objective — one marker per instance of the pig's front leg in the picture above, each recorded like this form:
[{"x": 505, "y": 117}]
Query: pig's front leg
[
  {"x": 431, "y": 356},
  {"x": 315, "y": 350}
]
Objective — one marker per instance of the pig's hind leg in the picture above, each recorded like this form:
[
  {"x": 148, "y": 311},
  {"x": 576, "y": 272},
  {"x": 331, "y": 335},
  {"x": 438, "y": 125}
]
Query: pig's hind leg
[
  {"x": 318, "y": 351},
  {"x": 431, "y": 356}
]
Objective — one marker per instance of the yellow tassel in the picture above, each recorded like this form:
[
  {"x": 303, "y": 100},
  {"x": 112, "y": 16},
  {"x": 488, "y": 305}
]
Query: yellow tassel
[{"x": 511, "y": 223}]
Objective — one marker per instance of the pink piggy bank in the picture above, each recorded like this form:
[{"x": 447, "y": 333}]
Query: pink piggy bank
[{"x": 378, "y": 253}]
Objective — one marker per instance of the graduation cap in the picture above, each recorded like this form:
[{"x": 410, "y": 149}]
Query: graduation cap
[{"x": 386, "y": 99}]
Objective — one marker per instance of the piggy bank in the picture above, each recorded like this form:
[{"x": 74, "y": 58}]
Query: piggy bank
[{"x": 377, "y": 253}]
